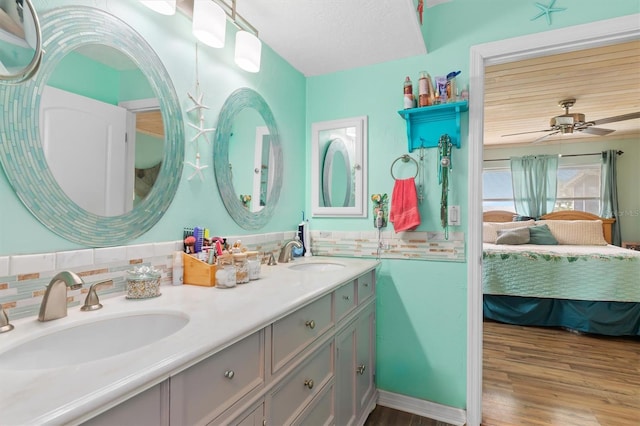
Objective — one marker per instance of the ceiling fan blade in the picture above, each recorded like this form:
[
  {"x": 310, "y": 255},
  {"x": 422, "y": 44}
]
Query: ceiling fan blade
[
  {"x": 622, "y": 117},
  {"x": 598, "y": 131},
  {"x": 544, "y": 137},
  {"x": 524, "y": 133}
]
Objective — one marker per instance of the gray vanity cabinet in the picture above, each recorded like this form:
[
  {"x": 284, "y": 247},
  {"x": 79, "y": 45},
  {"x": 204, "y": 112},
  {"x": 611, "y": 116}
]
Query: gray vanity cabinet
[{"x": 314, "y": 366}]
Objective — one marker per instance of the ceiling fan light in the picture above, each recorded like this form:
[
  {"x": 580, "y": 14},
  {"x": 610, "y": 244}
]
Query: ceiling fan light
[
  {"x": 209, "y": 23},
  {"x": 164, "y": 7},
  {"x": 248, "y": 51}
]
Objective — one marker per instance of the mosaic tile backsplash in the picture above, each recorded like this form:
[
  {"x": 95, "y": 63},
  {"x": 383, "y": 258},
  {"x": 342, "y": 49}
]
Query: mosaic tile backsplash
[{"x": 23, "y": 278}]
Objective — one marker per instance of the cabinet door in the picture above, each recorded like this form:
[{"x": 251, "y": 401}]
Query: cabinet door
[
  {"x": 345, "y": 376},
  {"x": 365, "y": 359},
  {"x": 147, "y": 408}
]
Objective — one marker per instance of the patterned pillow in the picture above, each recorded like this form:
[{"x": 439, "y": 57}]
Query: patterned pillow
[
  {"x": 576, "y": 232},
  {"x": 513, "y": 236},
  {"x": 490, "y": 229}
]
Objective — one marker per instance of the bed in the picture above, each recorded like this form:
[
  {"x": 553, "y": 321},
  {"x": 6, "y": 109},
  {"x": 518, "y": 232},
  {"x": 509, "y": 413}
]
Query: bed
[{"x": 582, "y": 283}]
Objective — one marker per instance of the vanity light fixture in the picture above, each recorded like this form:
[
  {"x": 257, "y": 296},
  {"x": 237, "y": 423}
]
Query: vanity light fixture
[
  {"x": 248, "y": 47},
  {"x": 209, "y": 23},
  {"x": 164, "y": 7},
  {"x": 248, "y": 51}
]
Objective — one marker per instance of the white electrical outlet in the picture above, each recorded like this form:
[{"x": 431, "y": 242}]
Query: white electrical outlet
[{"x": 454, "y": 215}]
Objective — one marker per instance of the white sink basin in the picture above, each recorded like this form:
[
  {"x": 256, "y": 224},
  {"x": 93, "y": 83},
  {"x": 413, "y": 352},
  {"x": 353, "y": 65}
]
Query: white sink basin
[
  {"x": 317, "y": 266},
  {"x": 91, "y": 341}
]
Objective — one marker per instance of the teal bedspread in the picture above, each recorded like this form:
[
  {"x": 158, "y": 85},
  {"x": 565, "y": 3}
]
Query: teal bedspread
[{"x": 605, "y": 274}]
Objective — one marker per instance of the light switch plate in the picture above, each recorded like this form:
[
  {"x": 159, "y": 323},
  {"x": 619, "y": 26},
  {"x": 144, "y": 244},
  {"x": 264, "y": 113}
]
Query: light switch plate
[{"x": 454, "y": 215}]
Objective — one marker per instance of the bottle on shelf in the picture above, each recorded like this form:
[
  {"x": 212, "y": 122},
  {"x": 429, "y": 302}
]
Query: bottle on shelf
[
  {"x": 425, "y": 90},
  {"x": 408, "y": 93}
]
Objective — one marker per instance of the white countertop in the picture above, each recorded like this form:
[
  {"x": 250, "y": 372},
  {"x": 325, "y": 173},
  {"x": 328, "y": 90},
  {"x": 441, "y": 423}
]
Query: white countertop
[{"x": 217, "y": 318}]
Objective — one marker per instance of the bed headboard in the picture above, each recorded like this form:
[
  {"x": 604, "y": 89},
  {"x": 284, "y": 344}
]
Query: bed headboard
[{"x": 507, "y": 216}]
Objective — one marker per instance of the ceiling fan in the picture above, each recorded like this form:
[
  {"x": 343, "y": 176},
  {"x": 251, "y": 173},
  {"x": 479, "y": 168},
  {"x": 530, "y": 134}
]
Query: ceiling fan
[{"x": 575, "y": 122}]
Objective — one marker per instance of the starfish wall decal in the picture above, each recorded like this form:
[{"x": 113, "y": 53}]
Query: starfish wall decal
[
  {"x": 547, "y": 11},
  {"x": 197, "y": 168}
]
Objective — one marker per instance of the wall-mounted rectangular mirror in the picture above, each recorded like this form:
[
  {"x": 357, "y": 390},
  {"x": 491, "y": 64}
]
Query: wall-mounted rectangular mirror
[{"x": 339, "y": 168}]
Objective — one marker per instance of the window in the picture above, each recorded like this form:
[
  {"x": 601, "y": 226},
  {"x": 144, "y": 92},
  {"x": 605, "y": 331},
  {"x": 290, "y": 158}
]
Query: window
[{"x": 578, "y": 188}]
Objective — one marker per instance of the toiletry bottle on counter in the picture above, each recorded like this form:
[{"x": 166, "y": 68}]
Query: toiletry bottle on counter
[{"x": 178, "y": 270}]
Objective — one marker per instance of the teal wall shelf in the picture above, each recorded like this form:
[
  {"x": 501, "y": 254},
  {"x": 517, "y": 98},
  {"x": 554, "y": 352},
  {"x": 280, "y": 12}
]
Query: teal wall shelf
[{"x": 425, "y": 125}]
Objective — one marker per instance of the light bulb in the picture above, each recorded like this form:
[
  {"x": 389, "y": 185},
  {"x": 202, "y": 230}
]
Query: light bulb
[
  {"x": 209, "y": 23},
  {"x": 248, "y": 51}
]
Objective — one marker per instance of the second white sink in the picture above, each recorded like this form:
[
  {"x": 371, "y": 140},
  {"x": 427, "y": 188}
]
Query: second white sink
[
  {"x": 317, "y": 266},
  {"x": 91, "y": 341}
]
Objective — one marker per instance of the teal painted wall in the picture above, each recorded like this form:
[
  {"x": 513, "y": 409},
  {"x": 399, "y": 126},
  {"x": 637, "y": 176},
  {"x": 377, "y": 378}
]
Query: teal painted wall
[
  {"x": 196, "y": 202},
  {"x": 422, "y": 305}
]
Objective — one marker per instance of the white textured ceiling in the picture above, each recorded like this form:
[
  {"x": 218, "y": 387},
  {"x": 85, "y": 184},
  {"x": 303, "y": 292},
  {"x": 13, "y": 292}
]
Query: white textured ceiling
[{"x": 323, "y": 36}]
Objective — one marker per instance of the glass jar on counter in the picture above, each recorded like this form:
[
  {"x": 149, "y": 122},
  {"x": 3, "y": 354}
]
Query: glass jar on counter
[
  {"x": 253, "y": 264},
  {"x": 143, "y": 282},
  {"x": 242, "y": 268},
  {"x": 225, "y": 272}
]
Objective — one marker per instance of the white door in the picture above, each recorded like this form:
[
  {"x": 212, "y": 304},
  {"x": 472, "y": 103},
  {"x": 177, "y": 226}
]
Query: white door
[{"x": 84, "y": 141}]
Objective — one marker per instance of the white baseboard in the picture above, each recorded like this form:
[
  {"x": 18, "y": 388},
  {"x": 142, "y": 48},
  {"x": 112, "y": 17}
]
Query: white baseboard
[{"x": 443, "y": 413}]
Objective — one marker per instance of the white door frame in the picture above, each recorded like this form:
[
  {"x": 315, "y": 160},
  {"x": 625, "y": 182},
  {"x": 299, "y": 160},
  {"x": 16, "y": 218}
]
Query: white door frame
[{"x": 600, "y": 33}]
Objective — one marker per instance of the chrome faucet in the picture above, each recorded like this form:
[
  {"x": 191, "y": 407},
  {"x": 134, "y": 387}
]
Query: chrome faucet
[
  {"x": 285, "y": 254},
  {"x": 5, "y": 325},
  {"x": 54, "y": 302}
]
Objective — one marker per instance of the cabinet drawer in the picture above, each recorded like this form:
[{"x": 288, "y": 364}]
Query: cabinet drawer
[
  {"x": 301, "y": 386},
  {"x": 345, "y": 300},
  {"x": 366, "y": 285},
  {"x": 293, "y": 333},
  {"x": 205, "y": 390},
  {"x": 320, "y": 411}
]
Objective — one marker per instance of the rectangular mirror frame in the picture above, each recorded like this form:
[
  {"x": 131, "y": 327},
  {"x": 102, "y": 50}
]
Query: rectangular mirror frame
[{"x": 360, "y": 167}]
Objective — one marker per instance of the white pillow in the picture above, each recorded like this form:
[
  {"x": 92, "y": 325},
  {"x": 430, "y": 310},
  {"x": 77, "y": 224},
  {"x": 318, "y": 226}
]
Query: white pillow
[
  {"x": 576, "y": 232},
  {"x": 490, "y": 229}
]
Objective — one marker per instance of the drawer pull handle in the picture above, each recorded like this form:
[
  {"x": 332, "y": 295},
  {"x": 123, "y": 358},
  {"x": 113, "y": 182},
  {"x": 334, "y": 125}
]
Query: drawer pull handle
[
  {"x": 311, "y": 324},
  {"x": 360, "y": 369},
  {"x": 366, "y": 284},
  {"x": 309, "y": 383},
  {"x": 346, "y": 297},
  {"x": 229, "y": 374}
]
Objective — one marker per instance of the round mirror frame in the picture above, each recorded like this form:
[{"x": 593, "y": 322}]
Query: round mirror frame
[
  {"x": 22, "y": 156},
  {"x": 31, "y": 68},
  {"x": 240, "y": 99}
]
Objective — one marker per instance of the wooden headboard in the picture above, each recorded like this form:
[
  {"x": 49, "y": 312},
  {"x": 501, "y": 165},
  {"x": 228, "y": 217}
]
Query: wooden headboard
[{"x": 507, "y": 216}]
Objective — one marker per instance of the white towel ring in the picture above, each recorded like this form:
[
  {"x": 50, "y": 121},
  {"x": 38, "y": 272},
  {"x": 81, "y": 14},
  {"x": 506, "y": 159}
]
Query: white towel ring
[{"x": 405, "y": 159}]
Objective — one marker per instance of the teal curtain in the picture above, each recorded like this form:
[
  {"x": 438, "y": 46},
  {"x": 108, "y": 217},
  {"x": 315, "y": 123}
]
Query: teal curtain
[
  {"x": 534, "y": 180},
  {"x": 609, "y": 193}
]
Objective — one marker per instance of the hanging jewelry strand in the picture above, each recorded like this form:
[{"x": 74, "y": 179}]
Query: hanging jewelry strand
[{"x": 444, "y": 167}]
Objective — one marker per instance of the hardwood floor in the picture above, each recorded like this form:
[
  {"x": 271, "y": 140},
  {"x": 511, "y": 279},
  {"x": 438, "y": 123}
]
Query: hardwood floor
[
  {"x": 544, "y": 376},
  {"x": 385, "y": 416}
]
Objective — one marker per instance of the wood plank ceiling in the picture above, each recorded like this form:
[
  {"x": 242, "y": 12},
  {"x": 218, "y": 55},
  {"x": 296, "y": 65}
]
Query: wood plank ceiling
[{"x": 523, "y": 96}]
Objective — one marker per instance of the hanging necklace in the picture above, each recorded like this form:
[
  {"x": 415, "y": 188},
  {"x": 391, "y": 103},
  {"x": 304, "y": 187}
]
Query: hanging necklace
[{"x": 444, "y": 167}]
